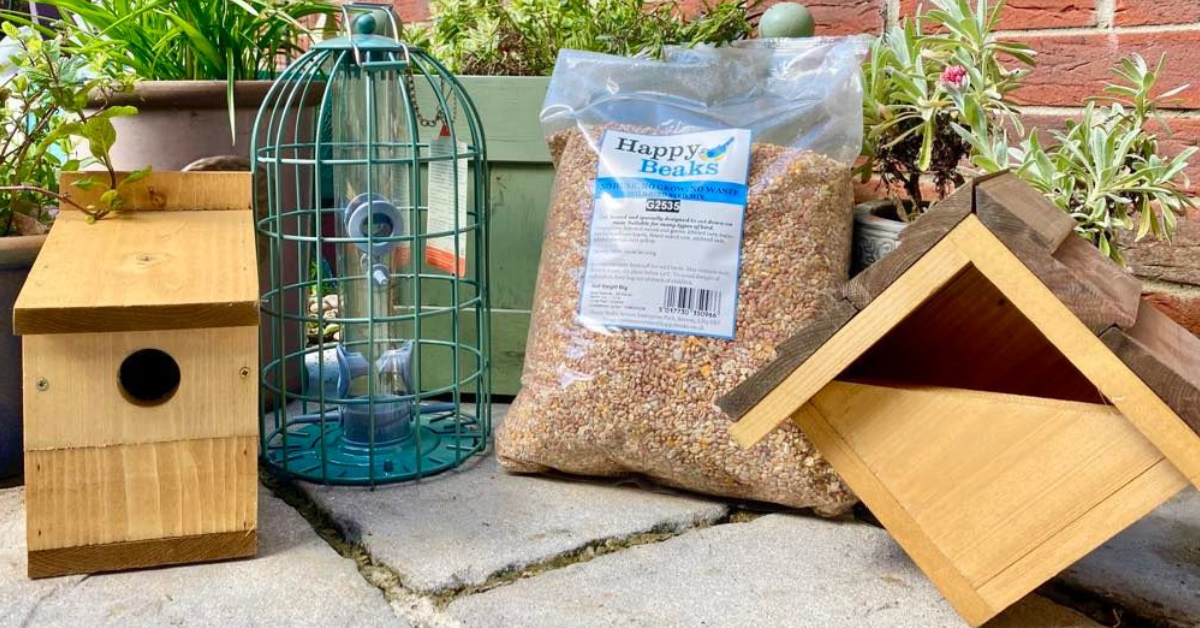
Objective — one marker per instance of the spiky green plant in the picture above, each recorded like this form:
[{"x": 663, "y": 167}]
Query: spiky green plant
[
  {"x": 226, "y": 40},
  {"x": 523, "y": 37},
  {"x": 1105, "y": 169},
  {"x": 939, "y": 68}
]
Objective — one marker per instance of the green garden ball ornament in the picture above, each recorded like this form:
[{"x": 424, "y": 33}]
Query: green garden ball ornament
[
  {"x": 787, "y": 19},
  {"x": 364, "y": 24}
]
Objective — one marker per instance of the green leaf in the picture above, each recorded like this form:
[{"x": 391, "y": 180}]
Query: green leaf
[
  {"x": 109, "y": 198},
  {"x": 101, "y": 135},
  {"x": 116, "y": 111},
  {"x": 86, "y": 183},
  {"x": 134, "y": 177}
]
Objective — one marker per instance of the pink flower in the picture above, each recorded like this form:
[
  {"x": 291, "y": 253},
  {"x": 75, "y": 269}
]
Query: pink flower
[{"x": 955, "y": 76}]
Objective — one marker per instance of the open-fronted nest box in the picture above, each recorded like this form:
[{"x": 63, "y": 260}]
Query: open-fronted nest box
[
  {"x": 140, "y": 336},
  {"x": 995, "y": 391}
]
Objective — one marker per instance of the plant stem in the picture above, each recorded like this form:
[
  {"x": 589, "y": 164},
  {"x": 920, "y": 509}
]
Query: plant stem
[{"x": 33, "y": 189}]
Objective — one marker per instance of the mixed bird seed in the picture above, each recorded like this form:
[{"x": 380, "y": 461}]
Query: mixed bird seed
[{"x": 615, "y": 401}]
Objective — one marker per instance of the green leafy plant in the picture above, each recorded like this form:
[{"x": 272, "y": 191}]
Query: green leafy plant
[
  {"x": 940, "y": 68},
  {"x": 1104, "y": 169},
  {"x": 44, "y": 92},
  {"x": 523, "y": 37},
  {"x": 227, "y": 40}
]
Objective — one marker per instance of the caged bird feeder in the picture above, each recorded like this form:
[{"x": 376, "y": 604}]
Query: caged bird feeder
[{"x": 373, "y": 188}]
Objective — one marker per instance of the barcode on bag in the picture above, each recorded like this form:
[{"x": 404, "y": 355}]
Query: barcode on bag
[{"x": 694, "y": 299}]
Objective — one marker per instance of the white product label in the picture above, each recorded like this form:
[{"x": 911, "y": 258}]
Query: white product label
[
  {"x": 447, "y": 199},
  {"x": 666, "y": 234}
]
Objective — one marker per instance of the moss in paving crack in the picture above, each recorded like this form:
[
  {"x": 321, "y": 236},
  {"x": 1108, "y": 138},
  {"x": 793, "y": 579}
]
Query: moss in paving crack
[
  {"x": 380, "y": 576},
  {"x": 590, "y": 551},
  {"x": 392, "y": 585}
]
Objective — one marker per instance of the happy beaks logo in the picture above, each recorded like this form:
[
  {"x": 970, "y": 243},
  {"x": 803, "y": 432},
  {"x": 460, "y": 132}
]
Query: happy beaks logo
[{"x": 718, "y": 152}]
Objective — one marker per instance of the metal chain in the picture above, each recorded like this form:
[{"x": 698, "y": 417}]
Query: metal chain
[
  {"x": 441, "y": 116},
  {"x": 412, "y": 100}
]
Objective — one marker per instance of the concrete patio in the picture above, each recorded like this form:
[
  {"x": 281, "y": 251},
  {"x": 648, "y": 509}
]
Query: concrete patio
[{"x": 482, "y": 549}]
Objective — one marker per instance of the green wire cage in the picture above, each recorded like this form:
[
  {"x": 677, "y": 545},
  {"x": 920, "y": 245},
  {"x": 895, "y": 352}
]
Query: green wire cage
[{"x": 372, "y": 231}]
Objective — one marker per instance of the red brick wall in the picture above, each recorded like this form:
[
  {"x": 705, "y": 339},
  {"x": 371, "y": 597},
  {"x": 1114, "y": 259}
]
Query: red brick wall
[{"x": 1077, "y": 41}]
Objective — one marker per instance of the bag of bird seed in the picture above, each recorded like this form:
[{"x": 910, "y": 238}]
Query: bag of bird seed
[{"x": 701, "y": 214}]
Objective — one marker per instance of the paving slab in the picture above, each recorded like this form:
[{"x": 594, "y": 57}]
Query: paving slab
[
  {"x": 297, "y": 581},
  {"x": 1153, "y": 567},
  {"x": 778, "y": 570},
  {"x": 457, "y": 529}
]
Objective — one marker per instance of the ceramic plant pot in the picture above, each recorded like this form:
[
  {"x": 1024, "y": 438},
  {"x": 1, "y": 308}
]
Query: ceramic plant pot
[
  {"x": 875, "y": 234},
  {"x": 16, "y": 258}
]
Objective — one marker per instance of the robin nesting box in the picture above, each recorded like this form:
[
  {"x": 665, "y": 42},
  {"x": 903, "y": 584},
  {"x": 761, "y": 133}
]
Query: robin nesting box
[
  {"x": 140, "y": 374},
  {"x": 995, "y": 391}
]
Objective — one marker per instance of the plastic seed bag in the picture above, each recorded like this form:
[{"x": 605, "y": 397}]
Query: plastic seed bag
[{"x": 701, "y": 215}]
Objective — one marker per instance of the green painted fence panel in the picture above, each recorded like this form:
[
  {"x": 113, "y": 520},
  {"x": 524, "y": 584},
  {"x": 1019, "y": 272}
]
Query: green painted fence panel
[{"x": 521, "y": 180}]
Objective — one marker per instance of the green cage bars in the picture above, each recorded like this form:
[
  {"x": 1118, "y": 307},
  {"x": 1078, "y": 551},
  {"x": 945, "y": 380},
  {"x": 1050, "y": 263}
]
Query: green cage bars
[{"x": 372, "y": 233}]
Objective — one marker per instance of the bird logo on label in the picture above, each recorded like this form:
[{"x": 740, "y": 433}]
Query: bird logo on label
[{"x": 717, "y": 153}]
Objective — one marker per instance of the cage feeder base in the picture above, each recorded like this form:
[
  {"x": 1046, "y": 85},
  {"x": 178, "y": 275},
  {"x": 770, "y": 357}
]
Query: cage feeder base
[{"x": 434, "y": 446}]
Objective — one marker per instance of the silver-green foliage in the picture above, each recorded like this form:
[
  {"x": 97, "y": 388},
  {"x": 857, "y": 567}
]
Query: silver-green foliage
[
  {"x": 523, "y": 37},
  {"x": 1104, "y": 169},
  {"x": 910, "y": 102}
]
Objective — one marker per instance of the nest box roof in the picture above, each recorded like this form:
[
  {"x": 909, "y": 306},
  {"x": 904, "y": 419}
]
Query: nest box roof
[
  {"x": 1085, "y": 306},
  {"x": 180, "y": 257}
]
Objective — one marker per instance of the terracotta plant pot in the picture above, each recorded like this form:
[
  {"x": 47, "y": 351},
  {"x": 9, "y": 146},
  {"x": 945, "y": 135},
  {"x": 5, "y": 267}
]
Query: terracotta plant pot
[
  {"x": 16, "y": 258},
  {"x": 876, "y": 233}
]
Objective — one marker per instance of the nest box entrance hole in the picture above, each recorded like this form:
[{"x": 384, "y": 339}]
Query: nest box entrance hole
[
  {"x": 970, "y": 336},
  {"x": 148, "y": 377}
]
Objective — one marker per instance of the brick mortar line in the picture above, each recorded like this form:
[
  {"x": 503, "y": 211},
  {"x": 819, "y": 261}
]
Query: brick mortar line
[
  {"x": 1106, "y": 13},
  {"x": 891, "y": 13},
  {"x": 1098, "y": 30},
  {"x": 1055, "y": 110}
]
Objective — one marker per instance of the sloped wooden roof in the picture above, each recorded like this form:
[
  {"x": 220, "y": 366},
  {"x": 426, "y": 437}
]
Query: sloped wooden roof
[
  {"x": 1102, "y": 295},
  {"x": 181, "y": 256}
]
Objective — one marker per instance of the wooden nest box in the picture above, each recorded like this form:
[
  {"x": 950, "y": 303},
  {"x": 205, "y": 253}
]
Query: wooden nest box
[
  {"x": 141, "y": 379},
  {"x": 995, "y": 391}
]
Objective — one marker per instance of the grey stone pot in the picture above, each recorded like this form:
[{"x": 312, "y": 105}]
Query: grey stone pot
[
  {"x": 16, "y": 258},
  {"x": 874, "y": 235},
  {"x": 179, "y": 122}
]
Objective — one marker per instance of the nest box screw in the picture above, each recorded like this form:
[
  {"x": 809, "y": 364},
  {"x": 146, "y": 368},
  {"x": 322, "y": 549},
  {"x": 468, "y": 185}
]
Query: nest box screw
[
  {"x": 42, "y": 384},
  {"x": 244, "y": 372}
]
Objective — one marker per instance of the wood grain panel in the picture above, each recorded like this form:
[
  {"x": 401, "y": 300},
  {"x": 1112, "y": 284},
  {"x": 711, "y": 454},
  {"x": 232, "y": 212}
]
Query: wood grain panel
[
  {"x": 83, "y": 404},
  {"x": 169, "y": 191},
  {"x": 934, "y": 270},
  {"x": 969, "y": 335},
  {"x": 1137, "y": 401},
  {"x": 1122, "y": 509},
  {"x": 988, "y": 477},
  {"x": 149, "y": 270},
  {"x": 1166, "y": 357},
  {"x": 1013, "y": 210},
  {"x": 140, "y": 554},
  {"x": 893, "y": 515},
  {"x": 791, "y": 354},
  {"x": 101, "y": 495}
]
